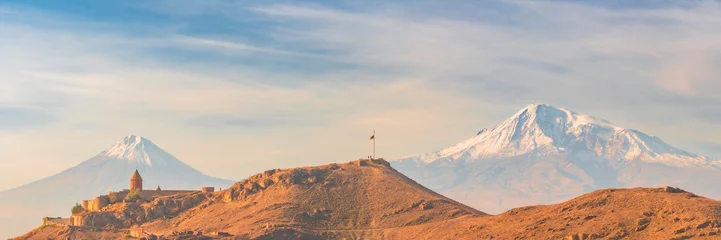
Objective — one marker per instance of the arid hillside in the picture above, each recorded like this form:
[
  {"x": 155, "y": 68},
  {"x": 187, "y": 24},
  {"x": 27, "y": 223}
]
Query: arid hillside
[
  {"x": 370, "y": 200},
  {"x": 364, "y": 194},
  {"x": 639, "y": 213},
  {"x": 320, "y": 201}
]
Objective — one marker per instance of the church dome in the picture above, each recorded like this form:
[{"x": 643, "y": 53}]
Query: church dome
[{"x": 136, "y": 176}]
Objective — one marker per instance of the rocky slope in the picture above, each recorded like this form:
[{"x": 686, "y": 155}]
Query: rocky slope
[
  {"x": 544, "y": 154},
  {"x": 370, "y": 200}
]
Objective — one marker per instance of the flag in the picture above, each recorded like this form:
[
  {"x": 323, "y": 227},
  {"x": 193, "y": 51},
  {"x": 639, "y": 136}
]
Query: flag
[{"x": 372, "y": 137}]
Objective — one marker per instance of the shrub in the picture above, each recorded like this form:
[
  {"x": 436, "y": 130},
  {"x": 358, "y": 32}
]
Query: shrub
[
  {"x": 133, "y": 195},
  {"x": 77, "y": 209}
]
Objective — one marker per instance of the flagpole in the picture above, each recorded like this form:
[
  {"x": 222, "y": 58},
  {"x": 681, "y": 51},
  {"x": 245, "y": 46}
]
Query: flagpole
[{"x": 374, "y": 144}]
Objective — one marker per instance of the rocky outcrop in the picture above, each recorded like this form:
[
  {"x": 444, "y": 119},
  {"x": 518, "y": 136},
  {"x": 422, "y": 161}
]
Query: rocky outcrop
[
  {"x": 670, "y": 189},
  {"x": 286, "y": 178},
  {"x": 289, "y": 177}
]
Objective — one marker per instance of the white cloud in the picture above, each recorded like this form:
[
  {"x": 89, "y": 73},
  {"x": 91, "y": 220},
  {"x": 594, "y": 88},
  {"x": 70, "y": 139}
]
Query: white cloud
[{"x": 232, "y": 45}]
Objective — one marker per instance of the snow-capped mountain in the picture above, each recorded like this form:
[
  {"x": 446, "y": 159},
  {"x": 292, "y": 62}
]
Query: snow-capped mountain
[
  {"x": 545, "y": 130},
  {"x": 544, "y": 154},
  {"x": 109, "y": 170}
]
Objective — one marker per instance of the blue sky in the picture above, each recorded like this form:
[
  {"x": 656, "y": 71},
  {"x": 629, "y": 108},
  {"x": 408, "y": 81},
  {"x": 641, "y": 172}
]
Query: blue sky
[{"x": 236, "y": 87}]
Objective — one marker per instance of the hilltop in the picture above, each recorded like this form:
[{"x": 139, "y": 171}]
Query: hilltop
[
  {"x": 369, "y": 199},
  {"x": 364, "y": 194}
]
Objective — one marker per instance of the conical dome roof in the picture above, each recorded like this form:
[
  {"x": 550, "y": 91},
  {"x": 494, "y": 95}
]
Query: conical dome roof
[{"x": 136, "y": 176}]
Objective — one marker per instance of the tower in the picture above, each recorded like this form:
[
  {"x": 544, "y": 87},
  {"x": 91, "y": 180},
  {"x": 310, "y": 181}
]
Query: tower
[{"x": 136, "y": 182}]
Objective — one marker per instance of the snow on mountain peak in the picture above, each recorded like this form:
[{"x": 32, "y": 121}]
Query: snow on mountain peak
[
  {"x": 542, "y": 129},
  {"x": 543, "y": 112},
  {"x": 136, "y": 149}
]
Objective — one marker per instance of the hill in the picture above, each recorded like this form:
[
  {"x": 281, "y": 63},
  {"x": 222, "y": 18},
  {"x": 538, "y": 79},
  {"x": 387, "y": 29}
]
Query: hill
[
  {"x": 544, "y": 155},
  {"x": 364, "y": 194},
  {"x": 318, "y": 201},
  {"x": 109, "y": 170},
  {"x": 369, "y": 199},
  {"x": 638, "y": 213}
]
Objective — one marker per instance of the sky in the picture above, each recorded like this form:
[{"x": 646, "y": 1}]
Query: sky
[{"x": 233, "y": 88}]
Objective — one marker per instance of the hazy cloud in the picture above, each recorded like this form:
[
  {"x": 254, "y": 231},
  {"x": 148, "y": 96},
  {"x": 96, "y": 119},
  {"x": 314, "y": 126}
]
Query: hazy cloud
[
  {"x": 251, "y": 122},
  {"x": 17, "y": 119}
]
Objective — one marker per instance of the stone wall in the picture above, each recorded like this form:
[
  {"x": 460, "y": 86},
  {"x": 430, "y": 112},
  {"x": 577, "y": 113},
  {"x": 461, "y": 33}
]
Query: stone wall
[
  {"x": 92, "y": 205},
  {"x": 77, "y": 220},
  {"x": 134, "y": 213},
  {"x": 96, "y": 204},
  {"x": 102, "y": 201},
  {"x": 151, "y": 194}
]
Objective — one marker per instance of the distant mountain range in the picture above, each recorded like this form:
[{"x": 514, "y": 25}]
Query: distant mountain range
[
  {"x": 109, "y": 170},
  {"x": 544, "y": 154}
]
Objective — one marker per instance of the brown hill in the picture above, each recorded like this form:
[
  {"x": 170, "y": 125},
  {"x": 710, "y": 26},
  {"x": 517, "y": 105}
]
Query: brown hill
[
  {"x": 639, "y": 213},
  {"x": 360, "y": 195},
  {"x": 369, "y": 199},
  {"x": 364, "y": 194}
]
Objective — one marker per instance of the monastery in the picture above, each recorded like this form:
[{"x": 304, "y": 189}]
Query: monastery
[{"x": 136, "y": 184}]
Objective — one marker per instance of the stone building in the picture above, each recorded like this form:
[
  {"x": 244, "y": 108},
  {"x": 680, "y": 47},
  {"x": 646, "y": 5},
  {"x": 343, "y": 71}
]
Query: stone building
[
  {"x": 100, "y": 202},
  {"x": 136, "y": 183},
  {"x": 207, "y": 189}
]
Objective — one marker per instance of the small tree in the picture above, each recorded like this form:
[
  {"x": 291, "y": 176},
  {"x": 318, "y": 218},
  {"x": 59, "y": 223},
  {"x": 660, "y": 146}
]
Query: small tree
[
  {"x": 134, "y": 195},
  {"x": 77, "y": 209}
]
